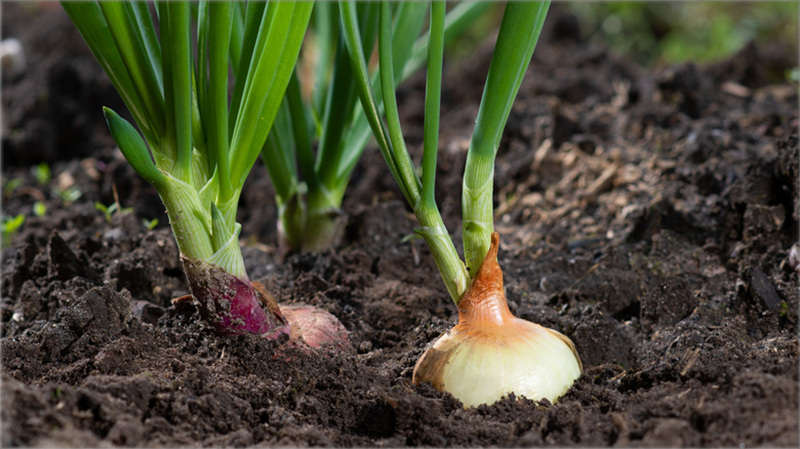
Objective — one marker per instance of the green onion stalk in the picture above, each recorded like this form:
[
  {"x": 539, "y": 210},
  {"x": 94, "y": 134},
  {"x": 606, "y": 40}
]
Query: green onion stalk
[
  {"x": 489, "y": 353},
  {"x": 198, "y": 142},
  {"x": 310, "y": 185}
]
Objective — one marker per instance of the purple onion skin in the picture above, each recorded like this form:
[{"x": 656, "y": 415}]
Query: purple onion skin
[{"x": 233, "y": 306}]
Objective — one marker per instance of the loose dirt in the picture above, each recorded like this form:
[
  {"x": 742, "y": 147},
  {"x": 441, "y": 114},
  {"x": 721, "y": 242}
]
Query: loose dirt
[{"x": 650, "y": 215}]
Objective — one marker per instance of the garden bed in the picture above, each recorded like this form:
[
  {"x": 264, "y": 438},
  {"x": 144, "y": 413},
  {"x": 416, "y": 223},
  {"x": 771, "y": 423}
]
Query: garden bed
[{"x": 650, "y": 215}]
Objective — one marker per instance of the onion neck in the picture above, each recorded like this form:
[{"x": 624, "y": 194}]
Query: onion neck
[{"x": 484, "y": 306}]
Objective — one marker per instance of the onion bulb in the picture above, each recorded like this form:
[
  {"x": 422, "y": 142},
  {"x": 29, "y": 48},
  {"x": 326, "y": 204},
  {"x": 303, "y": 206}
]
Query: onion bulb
[
  {"x": 491, "y": 353},
  {"x": 316, "y": 328}
]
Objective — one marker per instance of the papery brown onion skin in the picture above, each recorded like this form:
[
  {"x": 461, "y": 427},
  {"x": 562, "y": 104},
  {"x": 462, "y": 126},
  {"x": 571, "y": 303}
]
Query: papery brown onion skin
[{"x": 491, "y": 353}]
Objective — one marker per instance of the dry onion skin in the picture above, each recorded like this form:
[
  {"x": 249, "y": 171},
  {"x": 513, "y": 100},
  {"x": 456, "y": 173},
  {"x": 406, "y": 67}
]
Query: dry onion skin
[{"x": 491, "y": 353}]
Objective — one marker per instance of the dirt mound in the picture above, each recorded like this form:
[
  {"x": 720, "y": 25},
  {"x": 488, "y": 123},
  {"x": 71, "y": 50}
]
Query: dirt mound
[{"x": 651, "y": 216}]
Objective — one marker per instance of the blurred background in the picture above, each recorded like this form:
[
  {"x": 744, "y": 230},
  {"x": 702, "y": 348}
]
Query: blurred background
[
  {"x": 671, "y": 32},
  {"x": 655, "y": 34}
]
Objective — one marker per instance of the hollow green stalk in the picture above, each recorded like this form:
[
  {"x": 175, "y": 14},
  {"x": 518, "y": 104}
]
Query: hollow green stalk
[
  {"x": 520, "y": 29},
  {"x": 392, "y": 144}
]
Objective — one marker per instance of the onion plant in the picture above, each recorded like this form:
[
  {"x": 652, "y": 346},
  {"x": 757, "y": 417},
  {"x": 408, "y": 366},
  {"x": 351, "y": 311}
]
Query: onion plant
[
  {"x": 489, "y": 353},
  {"x": 310, "y": 186},
  {"x": 198, "y": 142}
]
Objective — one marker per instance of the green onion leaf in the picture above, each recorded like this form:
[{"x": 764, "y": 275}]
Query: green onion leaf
[
  {"x": 134, "y": 148},
  {"x": 519, "y": 31}
]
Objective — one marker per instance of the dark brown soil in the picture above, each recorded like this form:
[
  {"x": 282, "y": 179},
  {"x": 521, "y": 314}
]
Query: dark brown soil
[{"x": 650, "y": 215}]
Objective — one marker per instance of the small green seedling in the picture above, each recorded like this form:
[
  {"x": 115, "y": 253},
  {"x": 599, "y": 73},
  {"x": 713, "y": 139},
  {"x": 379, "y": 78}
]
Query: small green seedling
[
  {"x": 106, "y": 210},
  {"x": 316, "y": 142},
  {"x": 42, "y": 173},
  {"x": 109, "y": 211},
  {"x": 150, "y": 224},
  {"x": 11, "y": 186},
  {"x": 39, "y": 209},
  {"x": 69, "y": 195},
  {"x": 10, "y": 226},
  {"x": 56, "y": 393}
]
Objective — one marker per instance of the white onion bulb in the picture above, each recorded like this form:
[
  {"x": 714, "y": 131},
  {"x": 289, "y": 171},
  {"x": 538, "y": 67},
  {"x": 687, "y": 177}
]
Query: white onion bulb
[{"x": 491, "y": 353}]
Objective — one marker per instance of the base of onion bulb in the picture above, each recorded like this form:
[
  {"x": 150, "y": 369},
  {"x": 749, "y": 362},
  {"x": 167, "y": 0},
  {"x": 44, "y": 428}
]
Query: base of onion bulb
[
  {"x": 491, "y": 353},
  {"x": 235, "y": 305}
]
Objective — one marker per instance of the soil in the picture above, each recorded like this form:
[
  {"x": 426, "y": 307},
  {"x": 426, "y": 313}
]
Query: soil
[{"x": 649, "y": 214}]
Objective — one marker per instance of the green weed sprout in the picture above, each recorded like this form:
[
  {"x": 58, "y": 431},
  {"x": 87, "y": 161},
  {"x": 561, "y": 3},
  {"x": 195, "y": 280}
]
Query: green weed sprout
[
  {"x": 42, "y": 173},
  {"x": 39, "y": 209},
  {"x": 197, "y": 142},
  {"x": 109, "y": 211},
  {"x": 11, "y": 186},
  {"x": 150, "y": 224},
  {"x": 489, "y": 353},
  {"x": 68, "y": 195},
  {"x": 10, "y": 226}
]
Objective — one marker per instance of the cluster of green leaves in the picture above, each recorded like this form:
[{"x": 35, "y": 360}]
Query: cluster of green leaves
[
  {"x": 211, "y": 150},
  {"x": 310, "y": 186},
  {"x": 519, "y": 32},
  {"x": 199, "y": 143}
]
